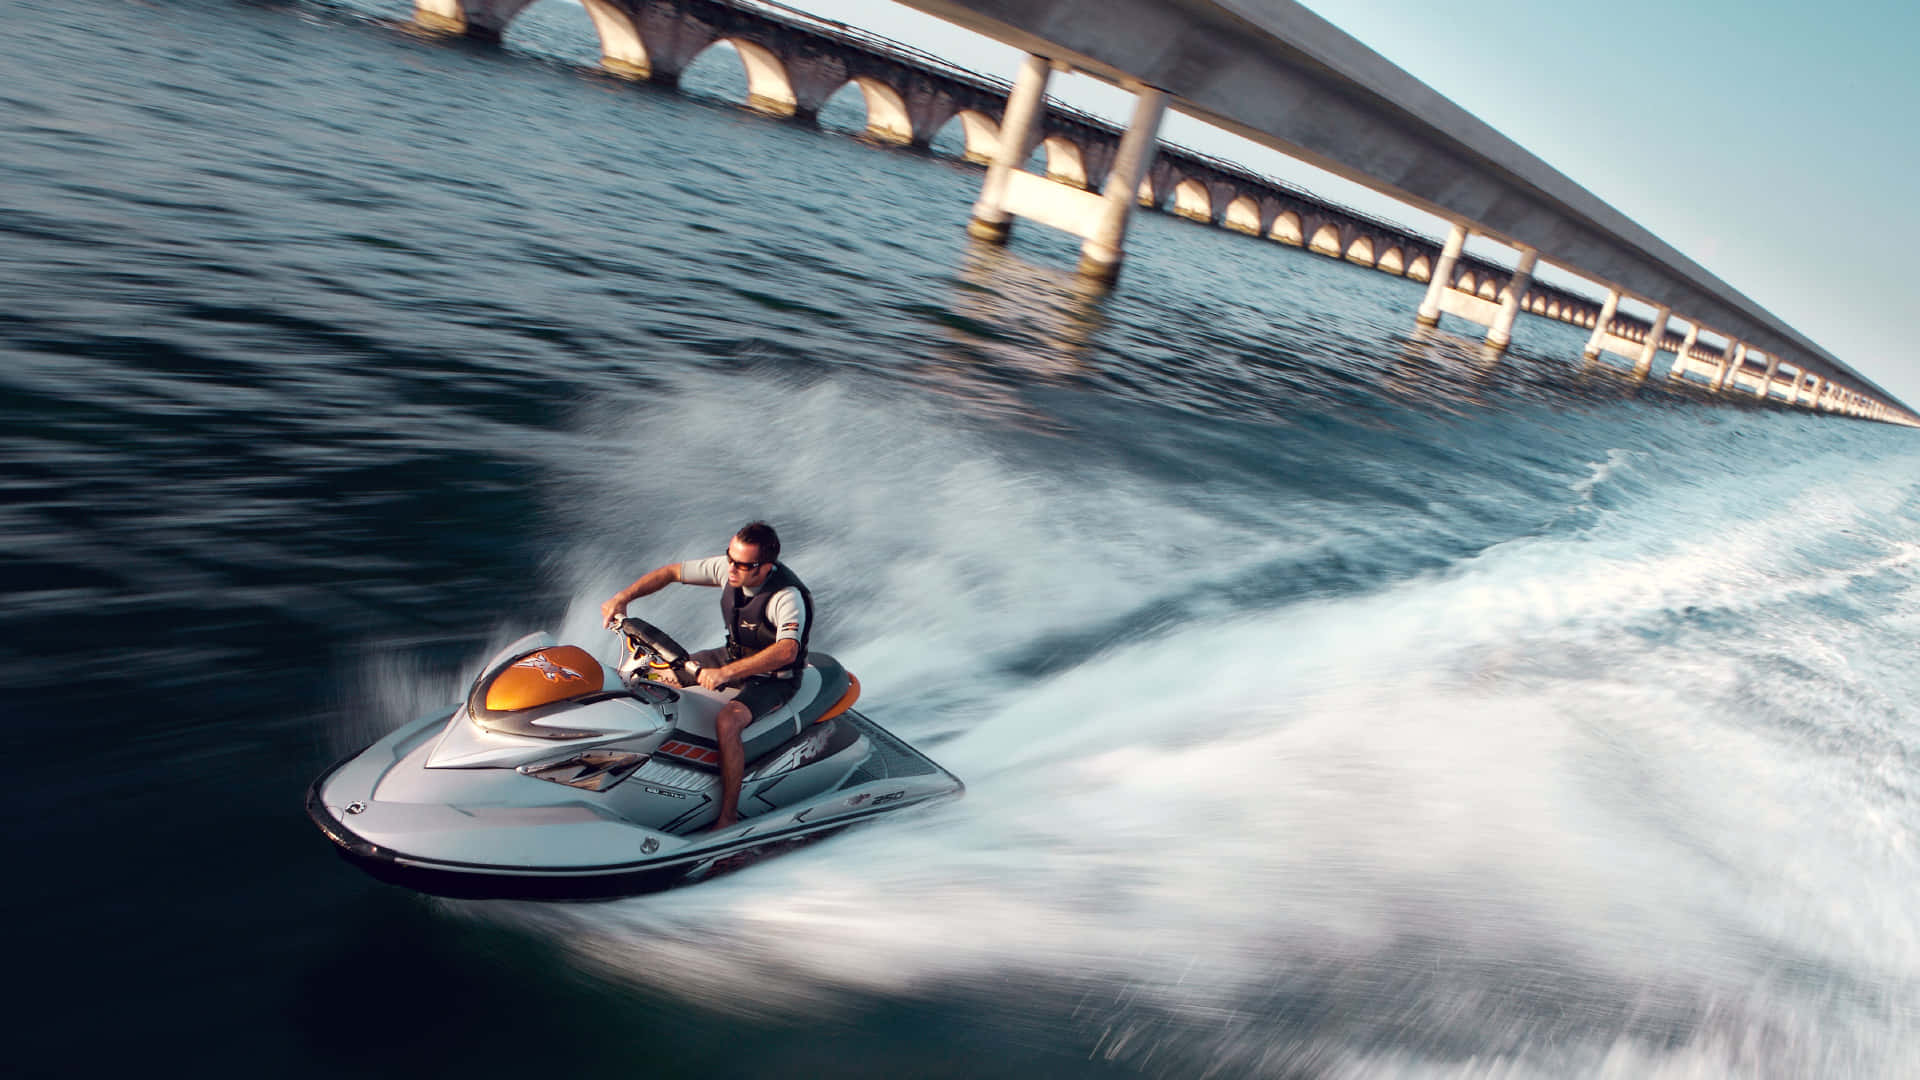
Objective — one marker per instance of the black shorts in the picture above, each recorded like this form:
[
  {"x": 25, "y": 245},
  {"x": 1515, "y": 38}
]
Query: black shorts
[{"x": 761, "y": 694}]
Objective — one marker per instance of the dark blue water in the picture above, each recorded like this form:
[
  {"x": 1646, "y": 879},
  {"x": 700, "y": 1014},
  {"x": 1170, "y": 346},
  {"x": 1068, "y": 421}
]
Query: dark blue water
[{"x": 1334, "y": 700}]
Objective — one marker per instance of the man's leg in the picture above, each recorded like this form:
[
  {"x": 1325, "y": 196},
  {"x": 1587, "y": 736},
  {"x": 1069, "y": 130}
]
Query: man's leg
[
  {"x": 733, "y": 719},
  {"x": 756, "y": 699}
]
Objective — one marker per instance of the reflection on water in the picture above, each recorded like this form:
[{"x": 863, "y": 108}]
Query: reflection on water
[{"x": 1042, "y": 318}]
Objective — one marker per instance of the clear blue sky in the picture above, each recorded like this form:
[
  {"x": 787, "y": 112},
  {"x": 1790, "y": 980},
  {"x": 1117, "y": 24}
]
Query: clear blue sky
[{"x": 1772, "y": 141}]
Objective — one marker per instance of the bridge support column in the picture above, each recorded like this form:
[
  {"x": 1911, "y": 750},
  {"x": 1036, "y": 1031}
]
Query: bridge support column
[
  {"x": 1603, "y": 324},
  {"x": 1656, "y": 339},
  {"x": 992, "y": 221},
  {"x": 1766, "y": 381},
  {"x": 1730, "y": 358},
  {"x": 1500, "y": 334},
  {"x": 1100, "y": 255},
  {"x": 1442, "y": 279},
  {"x": 1685, "y": 359}
]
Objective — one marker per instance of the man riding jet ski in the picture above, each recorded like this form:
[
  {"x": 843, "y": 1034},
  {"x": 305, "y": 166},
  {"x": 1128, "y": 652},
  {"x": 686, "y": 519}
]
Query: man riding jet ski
[
  {"x": 767, "y": 612},
  {"x": 557, "y": 777}
]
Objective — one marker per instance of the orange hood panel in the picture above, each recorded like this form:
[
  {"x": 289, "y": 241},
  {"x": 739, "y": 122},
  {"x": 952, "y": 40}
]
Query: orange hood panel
[{"x": 542, "y": 678}]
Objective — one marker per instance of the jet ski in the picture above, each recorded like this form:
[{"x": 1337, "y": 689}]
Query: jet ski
[{"x": 557, "y": 778}]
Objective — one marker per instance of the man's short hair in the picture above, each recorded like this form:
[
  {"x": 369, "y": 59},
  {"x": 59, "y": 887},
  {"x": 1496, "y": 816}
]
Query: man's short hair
[{"x": 761, "y": 536}]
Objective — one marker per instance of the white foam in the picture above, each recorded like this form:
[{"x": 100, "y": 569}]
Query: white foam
[{"x": 1535, "y": 753}]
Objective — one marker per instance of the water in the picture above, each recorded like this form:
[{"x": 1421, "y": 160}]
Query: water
[{"x": 1333, "y": 699}]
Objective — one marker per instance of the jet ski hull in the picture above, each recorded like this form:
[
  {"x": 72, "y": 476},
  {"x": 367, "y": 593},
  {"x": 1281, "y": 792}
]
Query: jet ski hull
[{"x": 891, "y": 777}]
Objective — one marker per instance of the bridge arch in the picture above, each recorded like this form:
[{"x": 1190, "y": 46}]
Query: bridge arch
[
  {"x": 1190, "y": 200},
  {"x": 768, "y": 89},
  {"x": 1243, "y": 215},
  {"x": 1326, "y": 239},
  {"x": 1487, "y": 290},
  {"x": 979, "y": 135},
  {"x": 884, "y": 117},
  {"x": 1286, "y": 229},
  {"x": 1466, "y": 281},
  {"x": 1064, "y": 162},
  {"x": 1421, "y": 268},
  {"x": 1392, "y": 261},
  {"x": 1361, "y": 251},
  {"x": 622, "y": 50}
]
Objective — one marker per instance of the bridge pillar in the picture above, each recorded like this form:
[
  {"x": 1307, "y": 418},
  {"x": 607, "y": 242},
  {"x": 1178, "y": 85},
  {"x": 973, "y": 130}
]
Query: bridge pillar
[
  {"x": 992, "y": 221},
  {"x": 1100, "y": 255},
  {"x": 1727, "y": 366},
  {"x": 1603, "y": 324},
  {"x": 1731, "y": 358},
  {"x": 1442, "y": 279},
  {"x": 1766, "y": 381},
  {"x": 1500, "y": 334},
  {"x": 1656, "y": 339},
  {"x": 1685, "y": 359}
]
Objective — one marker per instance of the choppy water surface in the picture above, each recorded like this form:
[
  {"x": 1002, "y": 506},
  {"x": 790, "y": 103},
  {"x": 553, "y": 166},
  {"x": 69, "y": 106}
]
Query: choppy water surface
[{"x": 1333, "y": 700}]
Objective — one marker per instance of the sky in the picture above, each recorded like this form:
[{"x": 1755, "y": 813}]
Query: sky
[{"x": 1774, "y": 142}]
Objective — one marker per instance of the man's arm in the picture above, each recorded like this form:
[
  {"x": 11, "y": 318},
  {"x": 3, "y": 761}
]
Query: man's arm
[
  {"x": 651, "y": 582},
  {"x": 767, "y": 660}
]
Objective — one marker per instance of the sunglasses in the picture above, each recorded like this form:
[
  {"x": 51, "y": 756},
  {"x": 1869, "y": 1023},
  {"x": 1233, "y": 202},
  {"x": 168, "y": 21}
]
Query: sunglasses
[{"x": 749, "y": 567}]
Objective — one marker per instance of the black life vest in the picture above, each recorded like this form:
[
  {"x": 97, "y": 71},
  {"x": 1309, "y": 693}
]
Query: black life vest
[{"x": 748, "y": 629}]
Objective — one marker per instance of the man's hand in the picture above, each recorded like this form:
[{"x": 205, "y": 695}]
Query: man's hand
[
  {"x": 612, "y": 611},
  {"x": 711, "y": 678}
]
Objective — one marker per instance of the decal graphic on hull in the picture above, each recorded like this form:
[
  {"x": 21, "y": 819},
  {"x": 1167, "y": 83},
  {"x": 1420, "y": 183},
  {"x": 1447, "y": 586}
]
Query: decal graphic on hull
[{"x": 554, "y": 672}]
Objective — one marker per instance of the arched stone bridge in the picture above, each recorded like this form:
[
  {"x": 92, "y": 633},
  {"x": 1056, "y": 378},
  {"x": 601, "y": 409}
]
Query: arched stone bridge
[{"x": 795, "y": 63}]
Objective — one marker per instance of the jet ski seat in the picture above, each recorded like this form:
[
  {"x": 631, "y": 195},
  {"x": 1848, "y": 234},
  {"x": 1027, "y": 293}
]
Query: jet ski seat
[
  {"x": 694, "y": 737},
  {"x": 771, "y": 731}
]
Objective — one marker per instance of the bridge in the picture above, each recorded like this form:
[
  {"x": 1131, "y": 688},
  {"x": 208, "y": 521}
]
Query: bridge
[{"x": 1273, "y": 72}]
